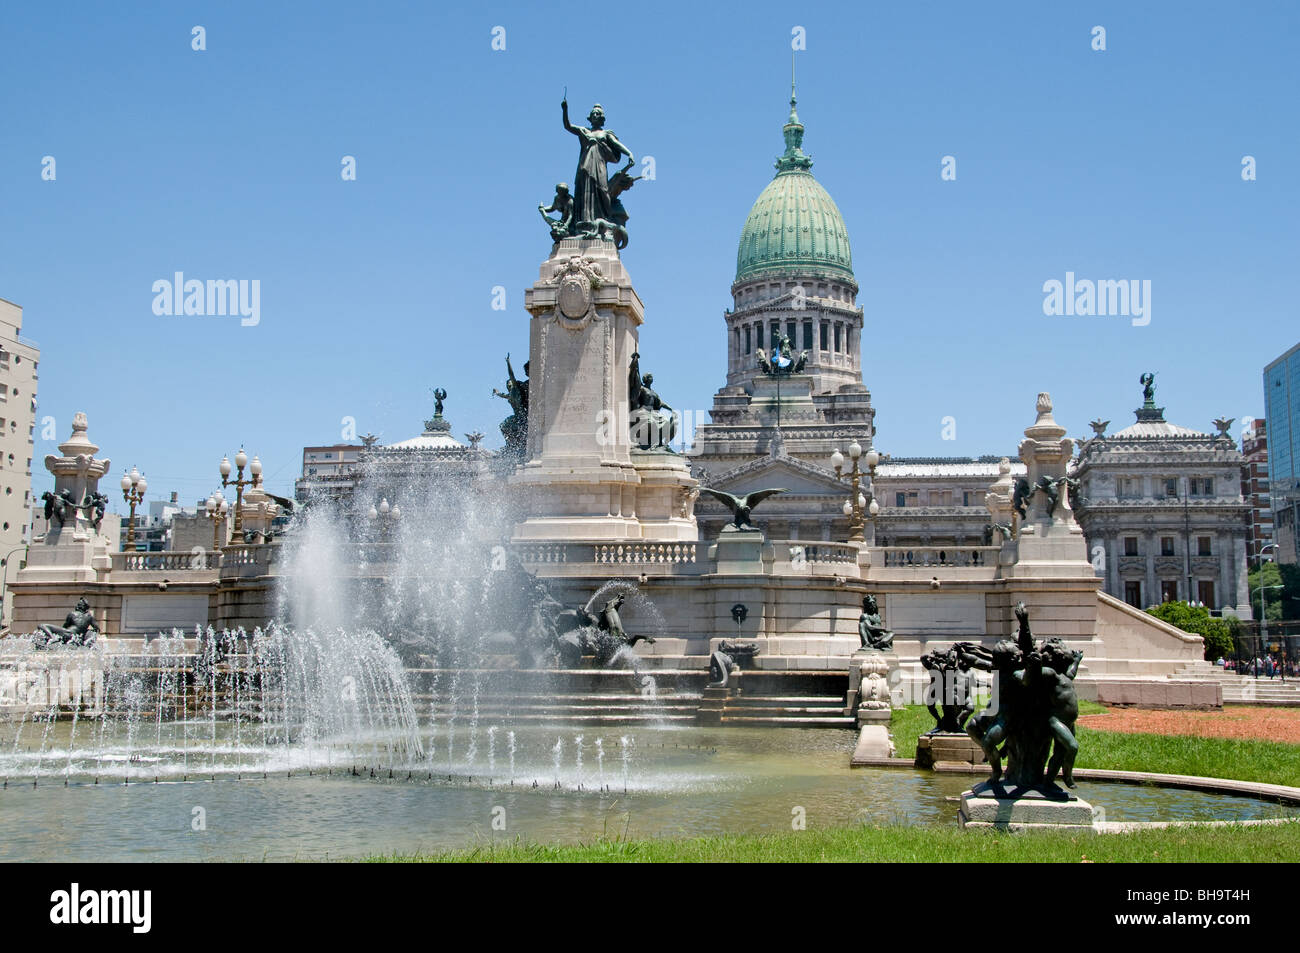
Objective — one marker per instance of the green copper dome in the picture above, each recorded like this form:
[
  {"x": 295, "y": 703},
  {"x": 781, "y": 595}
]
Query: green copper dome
[{"x": 794, "y": 227}]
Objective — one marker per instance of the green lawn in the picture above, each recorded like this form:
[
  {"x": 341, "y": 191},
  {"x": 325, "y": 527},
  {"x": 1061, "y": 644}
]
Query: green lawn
[
  {"x": 1272, "y": 762},
  {"x": 1265, "y": 842}
]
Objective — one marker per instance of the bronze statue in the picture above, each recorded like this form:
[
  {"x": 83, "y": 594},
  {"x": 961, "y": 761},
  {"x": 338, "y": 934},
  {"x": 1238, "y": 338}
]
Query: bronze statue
[
  {"x": 1148, "y": 382},
  {"x": 59, "y": 507},
  {"x": 79, "y": 629},
  {"x": 560, "y": 227},
  {"x": 439, "y": 395},
  {"x": 597, "y": 147},
  {"x": 729, "y": 658},
  {"x": 94, "y": 506},
  {"x": 515, "y": 427},
  {"x": 741, "y": 506},
  {"x": 652, "y": 422},
  {"x": 871, "y": 629}
]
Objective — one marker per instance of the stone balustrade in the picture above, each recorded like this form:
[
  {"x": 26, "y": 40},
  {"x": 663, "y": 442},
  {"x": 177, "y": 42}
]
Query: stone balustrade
[
  {"x": 822, "y": 553},
  {"x": 167, "y": 561},
  {"x": 608, "y": 554},
  {"x": 903, "y": 557}
]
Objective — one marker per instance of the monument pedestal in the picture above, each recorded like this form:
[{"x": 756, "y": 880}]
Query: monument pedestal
[
  {"x": 584, "y": 479},
  {"x": 874, "y": 746},
  {"x": 1014, "y": 809},
  {"x": 740, "y": 552},
  {"x": 948, "y": 747}
]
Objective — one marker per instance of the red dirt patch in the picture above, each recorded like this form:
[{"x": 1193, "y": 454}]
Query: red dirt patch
[{"x": 1267, "y": 724}]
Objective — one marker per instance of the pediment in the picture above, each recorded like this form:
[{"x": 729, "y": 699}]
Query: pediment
[{"x": 794, "y": 475}]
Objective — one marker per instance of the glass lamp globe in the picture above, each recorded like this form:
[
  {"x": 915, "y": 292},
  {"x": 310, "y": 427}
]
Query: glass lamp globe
[
  {"x": 874, "y": 508},
  {"x": 374, "y": 513},
  {"x": 872, "y": 458},
  {"x": 142, "y": 484},
  {"x": 225, "y": 466},
  {"x": 383, "y": 506},
  {"x": 241, "y": 459},
  {"x": 397, "y": 512},
  {"x": 855, "y": 450},
  {"x": 256, "y": 468},
  {"x": 848, "y": 508},
  {"x": 126, "y": 482},
  {"x": 837, "y": 460},
  {"x": 211, "y": 506}
]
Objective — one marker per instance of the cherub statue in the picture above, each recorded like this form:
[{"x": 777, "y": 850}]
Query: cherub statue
[{"x": 561, "y": 227}]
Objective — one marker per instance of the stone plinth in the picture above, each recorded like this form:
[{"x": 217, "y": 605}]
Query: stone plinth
[
  {"x": 874, "y": 746},
  {"x": 739, "y": 552},
  {"x": 947, "y": 747},
  {"x": 581, "y": 481},
  {"x": 872, "y": 677},
  {"x": 986, "y": 805}
]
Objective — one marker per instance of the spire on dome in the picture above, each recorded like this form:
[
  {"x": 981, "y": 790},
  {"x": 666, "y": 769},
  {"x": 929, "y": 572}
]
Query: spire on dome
[{"x": 794, "y": 157}]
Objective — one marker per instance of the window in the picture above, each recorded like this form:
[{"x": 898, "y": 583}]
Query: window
[
  {"x": 965, "y": 497},
  {"x": 1203, "y": 548},
  {"x": 1131, "y": 549},
  {"x": 748, "y": 342},
  {"x": 1168, "y": 590},
  {"x": 791, "y": 330},
  {"x": 837, "y": 337},
  {"x": 758, "y": 328},
  {"x": 1171, "y": 487},
  {"x": 1205, "y": 593},
  {"x": 900, "y": 499},
  {"x": 1166, "y": 545},
  {"x": 807, "y": 336},
  {"x": 826, "y": 330},
  {"x": 1133, "y": 594}
]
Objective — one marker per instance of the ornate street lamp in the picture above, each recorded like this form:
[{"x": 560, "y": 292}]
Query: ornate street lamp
[
  {"x": 217, "y": 508},
  {"x": 241, "y": 461},
  {"x": 133, "y": 487},
  {"x": 861, "y": 499},
  {"x": 384, "y": 517}
]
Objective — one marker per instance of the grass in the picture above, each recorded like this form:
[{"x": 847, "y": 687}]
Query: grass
[
  {"x": 1271, "y": 762},
  {"x": 1272, "y": 842}
]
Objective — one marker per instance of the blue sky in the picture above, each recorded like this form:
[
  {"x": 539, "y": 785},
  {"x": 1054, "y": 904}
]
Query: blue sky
[{"x": 225, "y": 163}]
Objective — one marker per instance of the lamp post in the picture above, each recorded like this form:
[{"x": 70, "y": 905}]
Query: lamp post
[
  {"x": 133, "y": 486},
  {"x": 858, "y": 502},
  {"x": 4, "y": 578},
  {"x": 216, "y": 509},
  {"x": 384, "y": 516},
  {"x": 1263, "y": 619},
  {"x": 255, "y": 468}
]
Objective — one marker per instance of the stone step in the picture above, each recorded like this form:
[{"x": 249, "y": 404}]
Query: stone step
[{"x": 791, "y": 721}]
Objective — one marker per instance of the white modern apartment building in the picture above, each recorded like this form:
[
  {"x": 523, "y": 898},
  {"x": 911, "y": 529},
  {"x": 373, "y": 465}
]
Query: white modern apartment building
[{"x": 19, "y": 361}]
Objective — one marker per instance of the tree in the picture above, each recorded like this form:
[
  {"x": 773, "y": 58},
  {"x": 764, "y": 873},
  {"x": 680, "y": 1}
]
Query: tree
[
  {"x": 1281, "y": 603},
  {"x": 1216, "y": 632}
]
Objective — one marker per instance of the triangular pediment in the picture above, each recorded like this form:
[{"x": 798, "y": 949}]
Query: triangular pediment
[{"x": 794, "y": 475}]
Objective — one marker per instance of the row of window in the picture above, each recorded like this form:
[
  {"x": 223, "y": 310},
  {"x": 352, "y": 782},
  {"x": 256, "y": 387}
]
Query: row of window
[
  {"x": 1166, "y": 487},
  {"x": 903, "y": 499},
  {"x": 1204, "y": 546},
  {"x": 1169, "y": 592}
]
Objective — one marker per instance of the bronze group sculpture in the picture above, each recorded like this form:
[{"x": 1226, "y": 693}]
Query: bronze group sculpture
[
  {"x": 871, "y": 629},
  {"x": 653, "y": 424},
  {"x": 592, "y": 209},
  {"x": 1030, "y": 719}
]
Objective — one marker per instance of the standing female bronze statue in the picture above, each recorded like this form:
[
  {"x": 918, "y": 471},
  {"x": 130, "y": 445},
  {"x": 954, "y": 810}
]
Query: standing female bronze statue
[{"x": 598, "y": 147}]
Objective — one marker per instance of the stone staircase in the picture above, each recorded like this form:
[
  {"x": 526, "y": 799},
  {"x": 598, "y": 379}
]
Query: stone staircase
[
  {"x": 1247, "y": 690},
  {"x": 790, "y": 711}
]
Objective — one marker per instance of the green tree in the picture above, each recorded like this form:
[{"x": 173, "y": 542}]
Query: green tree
[
  {"x": 1281, "y": 603},
  {"x": 1216, "y": 632}
]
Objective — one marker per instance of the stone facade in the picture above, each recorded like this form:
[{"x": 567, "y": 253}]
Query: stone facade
[{"x": 1162, "y": 509}]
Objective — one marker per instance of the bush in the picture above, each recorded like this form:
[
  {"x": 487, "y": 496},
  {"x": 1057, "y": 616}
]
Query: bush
[{"x": 1216, "y": 632}]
